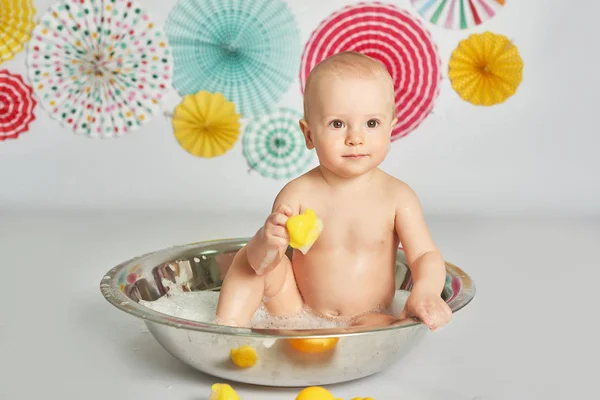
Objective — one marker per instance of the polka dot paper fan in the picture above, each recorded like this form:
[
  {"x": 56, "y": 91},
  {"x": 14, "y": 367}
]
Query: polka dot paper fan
[
  {"x": 16, "y": 106},
  {"x": 392, "y": 36},
  {"x": 274, "y": 145},
  {"x": 100, "y": 67}
]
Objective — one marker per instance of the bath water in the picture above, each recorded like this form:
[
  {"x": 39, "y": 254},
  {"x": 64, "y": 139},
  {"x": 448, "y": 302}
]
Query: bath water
[{"x": 201, "y": 306}]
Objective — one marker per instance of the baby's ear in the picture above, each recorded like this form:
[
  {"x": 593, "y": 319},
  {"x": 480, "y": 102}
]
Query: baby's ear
[{"x": 307, "y": 136}]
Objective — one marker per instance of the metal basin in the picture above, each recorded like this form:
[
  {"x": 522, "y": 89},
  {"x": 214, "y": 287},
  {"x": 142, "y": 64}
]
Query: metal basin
[{"x": 282, "y": 361}]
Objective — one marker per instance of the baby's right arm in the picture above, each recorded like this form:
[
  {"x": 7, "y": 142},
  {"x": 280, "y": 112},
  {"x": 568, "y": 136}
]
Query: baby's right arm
[{"x": 266, "y": 248}]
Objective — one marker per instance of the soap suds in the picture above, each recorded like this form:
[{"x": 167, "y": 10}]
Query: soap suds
[
  {"x": 201, "y": 306},
  {"x": 269, "y": 257}
]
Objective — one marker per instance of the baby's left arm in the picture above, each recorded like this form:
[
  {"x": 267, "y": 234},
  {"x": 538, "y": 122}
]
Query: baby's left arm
[{"x": 424, "y": 260}]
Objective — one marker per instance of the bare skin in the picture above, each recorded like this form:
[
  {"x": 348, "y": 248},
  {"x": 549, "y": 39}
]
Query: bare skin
[{"x": 366, "y": 213}]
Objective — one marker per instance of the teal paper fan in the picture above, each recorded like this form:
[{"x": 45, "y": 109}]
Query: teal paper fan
[
  {"x": 247, "y": 50},
  {"x": 274, "y": 146}
]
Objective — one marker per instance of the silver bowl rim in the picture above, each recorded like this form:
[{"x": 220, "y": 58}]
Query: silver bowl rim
[{"x": 111, "y": 291}]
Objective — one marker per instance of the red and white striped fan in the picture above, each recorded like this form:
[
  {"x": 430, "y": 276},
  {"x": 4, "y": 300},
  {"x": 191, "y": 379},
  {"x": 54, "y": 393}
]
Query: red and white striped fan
[
  {"x": 16, "y": 106},
  {"x": 392, "y": 36}
]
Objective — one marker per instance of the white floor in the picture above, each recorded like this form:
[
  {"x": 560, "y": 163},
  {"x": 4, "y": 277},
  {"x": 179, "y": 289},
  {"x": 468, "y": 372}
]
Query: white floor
[{"x": 529, "y": 333}]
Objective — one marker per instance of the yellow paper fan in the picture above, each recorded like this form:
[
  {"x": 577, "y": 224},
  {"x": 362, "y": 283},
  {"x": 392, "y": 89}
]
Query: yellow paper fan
[
  {"x": 485, "y": 69},
  {"x": 206, "y": 124},
  {"x": 16, "y": 24}
]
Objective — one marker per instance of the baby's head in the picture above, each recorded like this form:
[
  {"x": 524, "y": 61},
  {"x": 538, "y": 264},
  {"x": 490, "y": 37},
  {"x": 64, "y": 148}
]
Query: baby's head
[{"x": 349, "y": 113}]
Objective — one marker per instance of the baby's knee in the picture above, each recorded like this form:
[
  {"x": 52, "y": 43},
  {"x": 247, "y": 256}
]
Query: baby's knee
[
  {"x": 241, "y": 266},
  {"x": 278, "y": 278}
]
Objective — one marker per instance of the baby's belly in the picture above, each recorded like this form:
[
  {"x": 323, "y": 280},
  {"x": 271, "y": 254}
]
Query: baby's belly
[{"x": 339, "y": 283}]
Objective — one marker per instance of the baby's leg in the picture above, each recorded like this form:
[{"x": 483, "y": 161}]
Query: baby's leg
[
  {"x": 374, "y": 319},
  {"x": 243, "y": 290}
]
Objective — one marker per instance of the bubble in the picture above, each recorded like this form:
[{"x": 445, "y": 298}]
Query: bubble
[
  {"x": 201, "y": 306},
  {"x": 305, "y": 319}
]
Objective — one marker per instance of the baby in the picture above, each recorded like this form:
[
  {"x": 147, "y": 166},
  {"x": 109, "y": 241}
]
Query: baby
[{"x": 349, "y": 272}]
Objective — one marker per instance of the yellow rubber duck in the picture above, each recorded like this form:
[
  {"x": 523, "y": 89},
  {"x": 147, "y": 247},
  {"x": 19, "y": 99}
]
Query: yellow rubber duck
[
  {"x": 315, "y": 393},
  {"x": 304, "y": 229},
  {"x": 222, "y": 391},
  {"x": 244, "y": 356}
]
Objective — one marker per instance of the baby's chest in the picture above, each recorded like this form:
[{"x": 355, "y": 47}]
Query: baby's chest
[{"x": 366, "y": 228}]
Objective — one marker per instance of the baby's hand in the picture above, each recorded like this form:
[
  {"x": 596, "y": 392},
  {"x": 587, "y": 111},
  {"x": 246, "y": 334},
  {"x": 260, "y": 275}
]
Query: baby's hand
[
  {"x": 274, "y": 231},
  {"x": 274, "y": 239},
  {"x": 427, "y": 306}
]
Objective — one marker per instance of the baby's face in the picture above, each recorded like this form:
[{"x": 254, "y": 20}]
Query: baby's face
[{"x": 350, "y": 121}]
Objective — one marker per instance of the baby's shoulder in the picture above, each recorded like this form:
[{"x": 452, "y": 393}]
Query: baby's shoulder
[
  {"x": 396, "y": 188},
  {"x": 303, "y": 183},
  {"x": 295, "y": 191}
]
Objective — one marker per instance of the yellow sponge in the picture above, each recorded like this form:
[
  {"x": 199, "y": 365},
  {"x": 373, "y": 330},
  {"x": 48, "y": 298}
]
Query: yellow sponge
[{"x": 304, "y": 229}]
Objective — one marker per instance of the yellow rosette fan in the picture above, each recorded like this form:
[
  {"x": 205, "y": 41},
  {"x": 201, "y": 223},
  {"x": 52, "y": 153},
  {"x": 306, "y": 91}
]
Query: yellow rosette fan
[
  {"x": 206, "y": 124},
  {"x": 485, "y": 69},
  {"x": 16, "y": 24}
]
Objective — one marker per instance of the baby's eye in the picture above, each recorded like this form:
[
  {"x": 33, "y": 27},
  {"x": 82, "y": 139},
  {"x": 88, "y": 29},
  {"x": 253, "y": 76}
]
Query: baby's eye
[
  {"x": 372, "y": 123},
  {"x": 337, "y": 124}
]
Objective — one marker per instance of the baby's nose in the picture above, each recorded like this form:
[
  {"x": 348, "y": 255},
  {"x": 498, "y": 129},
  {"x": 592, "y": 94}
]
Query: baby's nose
[{"x": 355, "y": 137}]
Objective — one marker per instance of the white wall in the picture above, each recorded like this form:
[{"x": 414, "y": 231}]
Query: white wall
[{"x": 533, "y": 154}]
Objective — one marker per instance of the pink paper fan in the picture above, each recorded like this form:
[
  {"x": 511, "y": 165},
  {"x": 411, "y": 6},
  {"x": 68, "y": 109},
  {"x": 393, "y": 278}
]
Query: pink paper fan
[
  {"x": 16, "y": 106},
  {"x": 392, "y": 36}
]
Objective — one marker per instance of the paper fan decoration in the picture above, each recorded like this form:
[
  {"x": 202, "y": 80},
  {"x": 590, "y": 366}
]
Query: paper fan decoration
[
  {"x": 247, "y": 50},
  {"x": 275, "y": 147},
  {"x": 100, "y": 67},
  {"x": 206, "y": 124},
  {"x": 16, "y": 24},
  {"x": 392, "y": 36},
  {"x": 485, "y": 69},
  {"x": 16, "y": 106},
  {"x": 458, "y": 14}
]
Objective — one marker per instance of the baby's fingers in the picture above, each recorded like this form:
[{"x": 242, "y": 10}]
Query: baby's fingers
[
  {"x": 279, "y": 231},
  {"x": 445, "y": 314},
  {"x": 280, "y": 215},
  {"x": 427, "y": 317},
  {"x": 440, "y": 315},
  {"x": 285, "y": 210},
  {"x": 426, "y": 313},
  {"x": 433, "y": 313},
  {"x": 277, "y": 219}
]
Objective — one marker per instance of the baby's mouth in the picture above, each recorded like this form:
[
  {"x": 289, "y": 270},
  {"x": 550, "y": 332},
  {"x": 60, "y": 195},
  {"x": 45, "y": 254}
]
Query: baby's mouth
[{"x": 355, "y": 156}]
